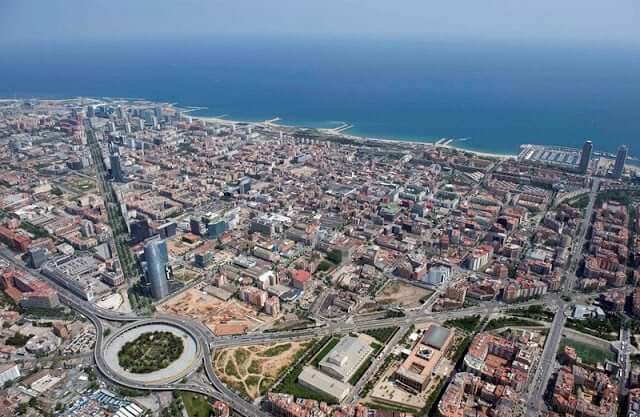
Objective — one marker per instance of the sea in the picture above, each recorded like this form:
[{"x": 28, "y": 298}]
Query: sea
[{"x": 487, "y": 95}]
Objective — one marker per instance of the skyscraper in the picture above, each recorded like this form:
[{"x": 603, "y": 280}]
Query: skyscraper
[
  {"x": 585, "y": 157},
  {"x": 156, "y": 257},
  {"x": 116, "y": 167},
  {"x": 621, "y": 158}
]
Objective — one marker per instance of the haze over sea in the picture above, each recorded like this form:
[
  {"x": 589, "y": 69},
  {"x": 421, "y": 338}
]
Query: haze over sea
[{"x": 496, "y": 95}]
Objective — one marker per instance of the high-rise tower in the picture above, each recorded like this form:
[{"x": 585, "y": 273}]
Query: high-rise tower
[
  {"x": 585, "y": 157},
  {"x": 156, "y": 257},
  {"x": 621, "y": 158}
]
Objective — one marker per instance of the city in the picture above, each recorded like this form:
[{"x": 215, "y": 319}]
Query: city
[{"x": 153, "y": 262}]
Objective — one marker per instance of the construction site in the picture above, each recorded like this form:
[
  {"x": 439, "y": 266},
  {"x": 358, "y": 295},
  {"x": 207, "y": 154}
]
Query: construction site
[{"x": 223, "y": 317}]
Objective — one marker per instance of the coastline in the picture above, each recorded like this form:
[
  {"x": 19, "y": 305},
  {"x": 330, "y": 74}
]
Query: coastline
[{"x": 332, "y": 132}]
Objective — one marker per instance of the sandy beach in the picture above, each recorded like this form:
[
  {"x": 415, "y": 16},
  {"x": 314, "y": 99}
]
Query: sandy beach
[{"x": 274, "y": 124}]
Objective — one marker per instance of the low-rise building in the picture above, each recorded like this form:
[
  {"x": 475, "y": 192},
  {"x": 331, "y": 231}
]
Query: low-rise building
[
  {"x": 345, "y": 358},
  {"x": 319, "y": 381}
]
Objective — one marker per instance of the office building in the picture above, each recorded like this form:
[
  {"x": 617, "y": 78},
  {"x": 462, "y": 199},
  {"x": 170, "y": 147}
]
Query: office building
[
  {"x": 165, "y": 230},
  {"x": 216, "y": 229},
  {"x": 140, "y": 230},
  {"x": 438, "y": 274},
  {"x": 621, "y": 158},
  {"x": 116, "y": 167},
  {"x": 156, "y": 259},
  {"x": 37, "y": 257},
  {"x": 585, "y": 157}
]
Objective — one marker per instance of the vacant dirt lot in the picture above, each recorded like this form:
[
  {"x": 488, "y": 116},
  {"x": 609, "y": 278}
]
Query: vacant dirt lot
[
  {"x": 254, "y": 369},
  {"x": 403, "y": 294},
  {"x": 222, "y": 317}
]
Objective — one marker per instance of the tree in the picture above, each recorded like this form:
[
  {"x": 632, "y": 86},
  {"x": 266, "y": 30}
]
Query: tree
[
  {"x": 33, "y": 402},
  {"x": 335, "y": 256}
]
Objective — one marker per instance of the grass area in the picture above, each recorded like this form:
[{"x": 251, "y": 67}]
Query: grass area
[
  {"x": 196, "y": 405},
  {"x": 18, "y": 339},
  {"x": 580, "y": 202},
  {"x": 361, "y": 370},
  {"x": 275, "y": 350},
  {"x": 433, "y": 397},
  {"x": 467, "y": 324},
  {"x": 325, "y": 266},
  {"x": 231, "y": 370},
  {"x": 174, "y": 409},
  {"x": 382, "y": 335},
  {"x": 185, "y": 276},
  {"x": 510, "y": 322},
  {"x": 251, "y": 373},
  {"x": 252, "y": 380},
  {"x": 241, "y": 355},
  {"x": 460, "y": 349},
  {"x": 150, "y": 351},
  {"x": 377, "y": 347},
  {"x": 607, "y": 328},
  {"x": 255, "y": 367},
  {"x": 265, "y": 384},
  {"x": 536, "y": 312},
  {"x": 622, "y": 197},
  {"x": 589, "y": 353},
  {"x": 393, "y": 313},
  {"x": 36, "y": 231},
  {"x": 325, "y": 351},
  {"x": 296, "y": 325}
]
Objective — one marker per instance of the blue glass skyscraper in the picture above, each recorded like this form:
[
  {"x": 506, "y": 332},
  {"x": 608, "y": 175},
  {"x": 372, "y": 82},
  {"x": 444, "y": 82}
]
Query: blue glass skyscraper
[{"x": 156, "y": 257}]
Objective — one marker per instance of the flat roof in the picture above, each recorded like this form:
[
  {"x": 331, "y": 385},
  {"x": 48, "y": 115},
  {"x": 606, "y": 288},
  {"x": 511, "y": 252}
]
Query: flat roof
[
  {"x": 346, "y": 356},
  {"x": 436, "y": 336},
  {"x": 322, "y": 382}
]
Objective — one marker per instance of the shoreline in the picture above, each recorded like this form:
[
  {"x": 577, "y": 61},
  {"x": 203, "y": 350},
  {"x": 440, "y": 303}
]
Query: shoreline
[{"x": 331, "y": 132}]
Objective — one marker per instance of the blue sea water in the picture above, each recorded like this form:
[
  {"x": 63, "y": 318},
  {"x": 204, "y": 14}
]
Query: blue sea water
[{"x": 497, "y": 95}]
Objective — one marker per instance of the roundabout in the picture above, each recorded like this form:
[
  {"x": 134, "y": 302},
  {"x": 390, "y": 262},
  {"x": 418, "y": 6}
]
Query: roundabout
[{"x": 165, "y": 372}]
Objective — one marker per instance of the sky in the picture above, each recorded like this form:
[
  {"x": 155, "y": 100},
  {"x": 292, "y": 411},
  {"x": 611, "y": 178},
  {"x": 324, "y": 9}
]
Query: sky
[{"x": 568, "y": 21}]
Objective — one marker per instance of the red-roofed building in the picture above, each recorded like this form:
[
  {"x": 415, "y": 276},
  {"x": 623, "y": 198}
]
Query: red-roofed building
[
  {"x": 14, "y": 240},
  {"x": 300, "y": 279},
  {"x": 27, "y": 291}
]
